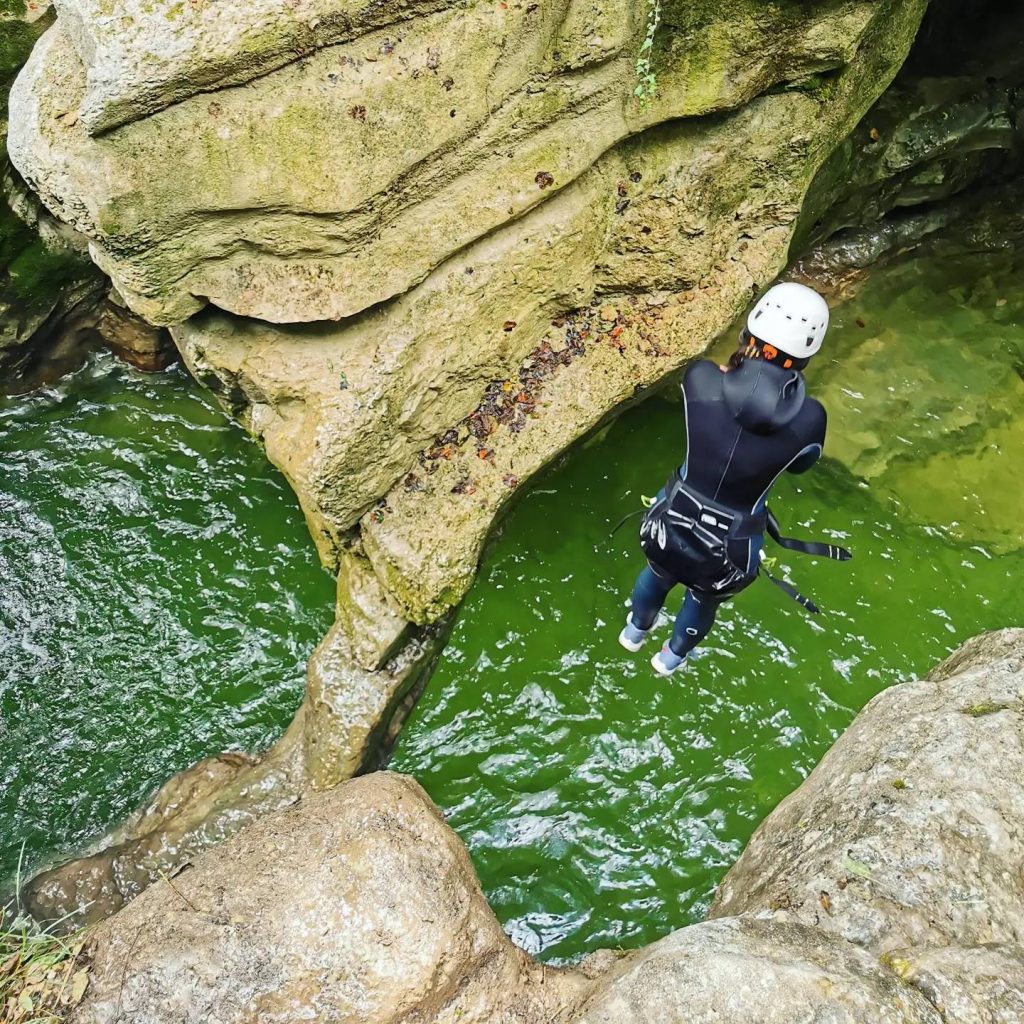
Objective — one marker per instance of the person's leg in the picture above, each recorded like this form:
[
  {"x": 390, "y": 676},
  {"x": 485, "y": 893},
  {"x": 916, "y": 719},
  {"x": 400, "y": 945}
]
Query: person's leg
[
  {"x": 649, "y": 595},
  {"x": 697, "y": 615},
  {"x": 693, "y": 623}
]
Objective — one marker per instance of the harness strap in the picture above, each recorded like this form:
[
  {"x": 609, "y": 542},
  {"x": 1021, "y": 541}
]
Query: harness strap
[
  {"x": 788, "y": 588},
  {"x": 625, "y": 519},
  {"x": 738, "y": 525},
  {"x": 805, "y": 547}
]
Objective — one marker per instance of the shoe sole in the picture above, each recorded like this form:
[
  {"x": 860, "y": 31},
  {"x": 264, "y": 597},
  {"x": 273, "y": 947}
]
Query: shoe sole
[
  {"x": 662, "y": 671},
  {"x": 630, "y": 645}
]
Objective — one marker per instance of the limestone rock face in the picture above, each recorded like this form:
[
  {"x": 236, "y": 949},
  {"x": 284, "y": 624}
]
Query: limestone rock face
[
  {"x": 671, "y": 209},
  {"x": 909, "y": 832},
  {"x": 144, "y": 56},
  {"x": 359, "y": 905},
  {"x": 341, "y": 180}
]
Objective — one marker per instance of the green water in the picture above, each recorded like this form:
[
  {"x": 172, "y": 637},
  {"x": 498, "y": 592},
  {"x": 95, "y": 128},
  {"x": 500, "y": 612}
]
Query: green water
[
  {"x": 159, "y": 598},
  {"x": 601, "y": 804}
]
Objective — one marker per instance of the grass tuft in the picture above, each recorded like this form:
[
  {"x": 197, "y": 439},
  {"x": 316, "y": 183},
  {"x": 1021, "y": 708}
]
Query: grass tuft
[{"x": 43, "y": 976}]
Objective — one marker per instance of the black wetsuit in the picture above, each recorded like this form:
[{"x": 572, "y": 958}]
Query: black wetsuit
[{"x": 744, "y": 428}]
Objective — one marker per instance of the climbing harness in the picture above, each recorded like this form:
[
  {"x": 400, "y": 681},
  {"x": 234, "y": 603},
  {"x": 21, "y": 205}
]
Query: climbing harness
[{"x": 688, "y": 536}]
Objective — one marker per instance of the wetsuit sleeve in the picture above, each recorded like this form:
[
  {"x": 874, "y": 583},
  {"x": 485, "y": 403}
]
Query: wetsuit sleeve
[
  {"x": 807, "y": 458},
  {"x": 815, "y": 437},
  {"x": 697, "y": 377}
]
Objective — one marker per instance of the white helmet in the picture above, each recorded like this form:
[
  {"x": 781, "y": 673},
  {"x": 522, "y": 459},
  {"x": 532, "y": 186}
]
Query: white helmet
[{"x": 792, "y": 317}]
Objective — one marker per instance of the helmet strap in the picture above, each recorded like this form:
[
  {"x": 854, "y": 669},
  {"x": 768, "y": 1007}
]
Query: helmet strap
[{"x": 755, "y": 348}]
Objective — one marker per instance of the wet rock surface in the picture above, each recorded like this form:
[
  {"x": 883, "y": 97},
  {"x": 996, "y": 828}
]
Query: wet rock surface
[
  {"x": 930, "y": 152},
  {"x": 361, "y": 904},
  {"x": 49, "y": 289}
]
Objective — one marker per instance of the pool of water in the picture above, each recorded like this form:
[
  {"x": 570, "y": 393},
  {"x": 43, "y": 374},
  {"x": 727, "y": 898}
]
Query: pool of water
[
  {"x": 601, "y": 804},
  {"x": 159, "y": 598}
]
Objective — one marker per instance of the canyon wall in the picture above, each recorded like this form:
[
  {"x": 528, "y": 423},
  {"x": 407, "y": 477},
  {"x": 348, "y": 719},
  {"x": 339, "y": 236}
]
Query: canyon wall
[{"x": 418, "y": 249}]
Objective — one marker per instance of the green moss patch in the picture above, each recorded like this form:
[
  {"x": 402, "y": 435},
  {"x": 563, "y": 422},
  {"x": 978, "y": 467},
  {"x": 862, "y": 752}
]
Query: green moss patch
[{"x": 980, "y": 710}]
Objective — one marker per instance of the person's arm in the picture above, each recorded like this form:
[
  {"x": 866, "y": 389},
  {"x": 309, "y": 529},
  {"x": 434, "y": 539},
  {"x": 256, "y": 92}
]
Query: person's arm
[
  {"x": 807, "y": 458},
  {"x": 810, "y": 455}
]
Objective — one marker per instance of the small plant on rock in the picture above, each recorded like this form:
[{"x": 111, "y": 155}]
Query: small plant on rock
[
  {"x": 647, "y": 80},
  {"x": 42, "y": 975}
]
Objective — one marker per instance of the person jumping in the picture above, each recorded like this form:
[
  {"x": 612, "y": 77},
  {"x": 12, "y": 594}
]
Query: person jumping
[{"x": 746, "y": 424}]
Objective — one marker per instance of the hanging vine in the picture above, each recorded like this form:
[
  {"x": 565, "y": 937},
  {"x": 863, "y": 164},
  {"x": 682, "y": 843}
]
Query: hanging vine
[{"x": 647, "y": 80}]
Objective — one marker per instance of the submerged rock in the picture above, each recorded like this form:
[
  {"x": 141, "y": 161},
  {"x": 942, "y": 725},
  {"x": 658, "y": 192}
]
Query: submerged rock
[
  {"x": 924, "y": 400},
  {"x": 857, "y": 900}
]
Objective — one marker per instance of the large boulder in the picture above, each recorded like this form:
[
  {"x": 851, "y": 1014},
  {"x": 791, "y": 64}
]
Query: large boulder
[
  {"x": 359, "y": 905},
  {"x": 910, "y": 832},
  {"x": 703, "y": 210},
  {"x": 755, "y": 972}
]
